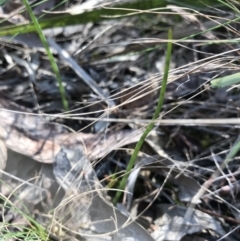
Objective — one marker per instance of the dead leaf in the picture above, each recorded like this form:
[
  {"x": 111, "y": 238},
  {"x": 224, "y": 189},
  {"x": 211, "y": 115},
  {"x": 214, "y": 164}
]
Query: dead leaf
[
  {"x": 25, "y": 184},
  {"x": 188, "y": 187},
  {"x": 173, "y": 226},
  {"x": 85, "y": 190}
]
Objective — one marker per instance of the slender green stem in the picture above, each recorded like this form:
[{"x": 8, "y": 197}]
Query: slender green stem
[
  {"x": 50, "y": 56},
  {"x": 151, "y": 124}
]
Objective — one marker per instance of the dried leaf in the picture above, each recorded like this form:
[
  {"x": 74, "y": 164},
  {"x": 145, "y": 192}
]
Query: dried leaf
[
  {"x": 25, "y": 184},
  {"x": 188, "y": 187},
  {"x": 173, "y": 226},
  {"x": 98, "y": 214}
]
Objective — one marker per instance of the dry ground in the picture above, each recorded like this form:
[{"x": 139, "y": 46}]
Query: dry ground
[{"x": 112, "y": 76}]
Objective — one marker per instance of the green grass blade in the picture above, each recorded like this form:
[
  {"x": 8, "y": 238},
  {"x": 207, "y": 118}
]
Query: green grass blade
[
  {"x": 229, "y": 80},
  {"x": 96, "y": 15},
  {"x": 151, "y": 124},
  {"x": 50, "y": 56},
  {"x": 2, "y": 2}
]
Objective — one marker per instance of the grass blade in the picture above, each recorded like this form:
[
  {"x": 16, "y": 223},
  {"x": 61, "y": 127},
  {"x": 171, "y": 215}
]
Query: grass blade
[
  {"x": 229, "y": 80},
  {"x": 96, "y": 15},
  {"x": 50, "y": 56},
  {"x": 150, "y": 126}
]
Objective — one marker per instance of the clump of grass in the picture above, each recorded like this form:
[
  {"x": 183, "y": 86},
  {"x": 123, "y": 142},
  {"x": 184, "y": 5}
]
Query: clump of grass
[{"x": 30, "y": 228}]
